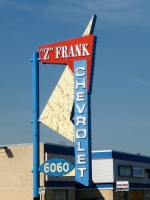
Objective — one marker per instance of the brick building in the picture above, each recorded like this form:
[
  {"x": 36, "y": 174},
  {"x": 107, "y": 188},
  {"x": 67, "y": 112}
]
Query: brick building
[{"x": 108, "y": 167}]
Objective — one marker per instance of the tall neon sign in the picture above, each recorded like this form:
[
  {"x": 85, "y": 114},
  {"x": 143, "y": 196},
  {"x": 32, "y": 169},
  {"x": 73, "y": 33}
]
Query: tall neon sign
[
  {"x": 78, "y": 55},
  {"x": 68, "y": 110}
]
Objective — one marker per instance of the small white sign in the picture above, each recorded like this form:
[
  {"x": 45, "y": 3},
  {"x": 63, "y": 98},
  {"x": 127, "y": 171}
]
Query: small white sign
[
  {"x": 138, "y": 172},
  {"x": 41, "y": 190},
  {"x": 122, "y": 185}
]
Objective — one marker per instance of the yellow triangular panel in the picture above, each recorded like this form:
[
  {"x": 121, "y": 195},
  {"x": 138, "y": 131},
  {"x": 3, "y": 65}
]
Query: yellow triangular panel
[{"x": 57, "y": 111}]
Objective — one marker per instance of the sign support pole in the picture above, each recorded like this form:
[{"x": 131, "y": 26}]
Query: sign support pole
[{"x": 36, "y": 139}]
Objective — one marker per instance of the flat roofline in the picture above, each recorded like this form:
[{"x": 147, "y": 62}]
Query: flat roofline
[
  {"x": 57, "y": 144},
  {"x": 21, "y": 144},
  {"x": 25, "y": 144},
  {"x": 64, "y": 145},
  {"x": 98, "y": 151},
  {"x": 135, "y": 154}
]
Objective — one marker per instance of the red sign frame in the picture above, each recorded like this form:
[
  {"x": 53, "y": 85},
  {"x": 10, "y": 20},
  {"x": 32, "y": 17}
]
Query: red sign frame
[{"x": 67, "y": 51}]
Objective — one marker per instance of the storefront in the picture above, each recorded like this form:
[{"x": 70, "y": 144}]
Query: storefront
[
  {"x": 108, "y": 167},
  {"x": 17, "y": 178}
]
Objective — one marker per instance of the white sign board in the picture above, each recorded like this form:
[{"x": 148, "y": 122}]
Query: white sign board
[
  {"x": 138, "y": 172},
  {"x": 122, "y": 185},
  {"x": 41, "y": 190}
]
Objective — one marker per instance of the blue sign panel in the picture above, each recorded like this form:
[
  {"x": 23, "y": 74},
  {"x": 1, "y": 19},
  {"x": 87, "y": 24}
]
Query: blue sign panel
[
  {"x": 56, "y": 167},
  {"x": 81, "y": 118}
]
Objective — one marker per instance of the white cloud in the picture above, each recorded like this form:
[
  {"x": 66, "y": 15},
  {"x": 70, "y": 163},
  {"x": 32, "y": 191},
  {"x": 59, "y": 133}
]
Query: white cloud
[
  {"x": 133, "y": 13},
  {"x": 128, "y": 77},
  {"x": 128, "y": 12},
  {"x": 15, "y": 4},
  {"x": 139, "y": 81}
]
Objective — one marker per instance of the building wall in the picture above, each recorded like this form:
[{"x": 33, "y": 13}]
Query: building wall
[
  {"x": 105, "y": 194},
  {"x": 71, "y": 194},
  {"x": 143, "y": 180},
  {"x": 15, "y": 172},
  {"x": 102, "y": 171},
  {"x": 49, "y": 194},
  {"x": 17, "y": 180}
]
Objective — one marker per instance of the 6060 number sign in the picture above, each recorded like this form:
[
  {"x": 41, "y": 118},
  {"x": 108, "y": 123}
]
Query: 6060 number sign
[
  {"x": 53, "y": 167},
  {"x": 56, "y": 167}
]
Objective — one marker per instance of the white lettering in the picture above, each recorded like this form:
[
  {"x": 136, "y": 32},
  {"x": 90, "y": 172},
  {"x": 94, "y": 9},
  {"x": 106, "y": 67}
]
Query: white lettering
[
  {"x": 52, "y": 167},
  {"x": 80, "y": 96},
  {"x": 46, "y": 55},
  {"x": 84, "y": 50},
  {"x": 66, "y": 167},
  {"x": 59, "y": 167},
  {"x": 79, "y": 147},
  {"x": 77, "y": 50},
  {"x": 58, "y": 49},
  {"x": 81, "y": 171},
  {"x": 81, "y": 159},
  {"x": 80, "y": 120},
  {"x": 64, "y": 52},
  {"x": 46, "y": 168},
  {"x": 83, "y": 84},
  {"x": 80, "y": 110},
  {"x": 80, "y": 68},
  {"x": 71, "y": 52},
  {"x": 83, "y": 131}
]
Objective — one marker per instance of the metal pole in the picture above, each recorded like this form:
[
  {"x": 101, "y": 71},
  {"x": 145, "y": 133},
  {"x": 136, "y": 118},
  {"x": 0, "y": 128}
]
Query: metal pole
[{"x": 36, "y": 139}]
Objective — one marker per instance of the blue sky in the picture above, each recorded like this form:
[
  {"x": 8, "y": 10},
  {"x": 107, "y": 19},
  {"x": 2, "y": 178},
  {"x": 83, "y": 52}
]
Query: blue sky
[{"x": 121, "y": 87}]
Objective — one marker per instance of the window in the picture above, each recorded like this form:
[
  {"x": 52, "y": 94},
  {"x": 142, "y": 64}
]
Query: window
[
  {"x": 124, "y": 170},
  {"x": 122, "y": 195},
  {"x": 136, "y": 195},
  {"x": 59, "y": 194}
]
